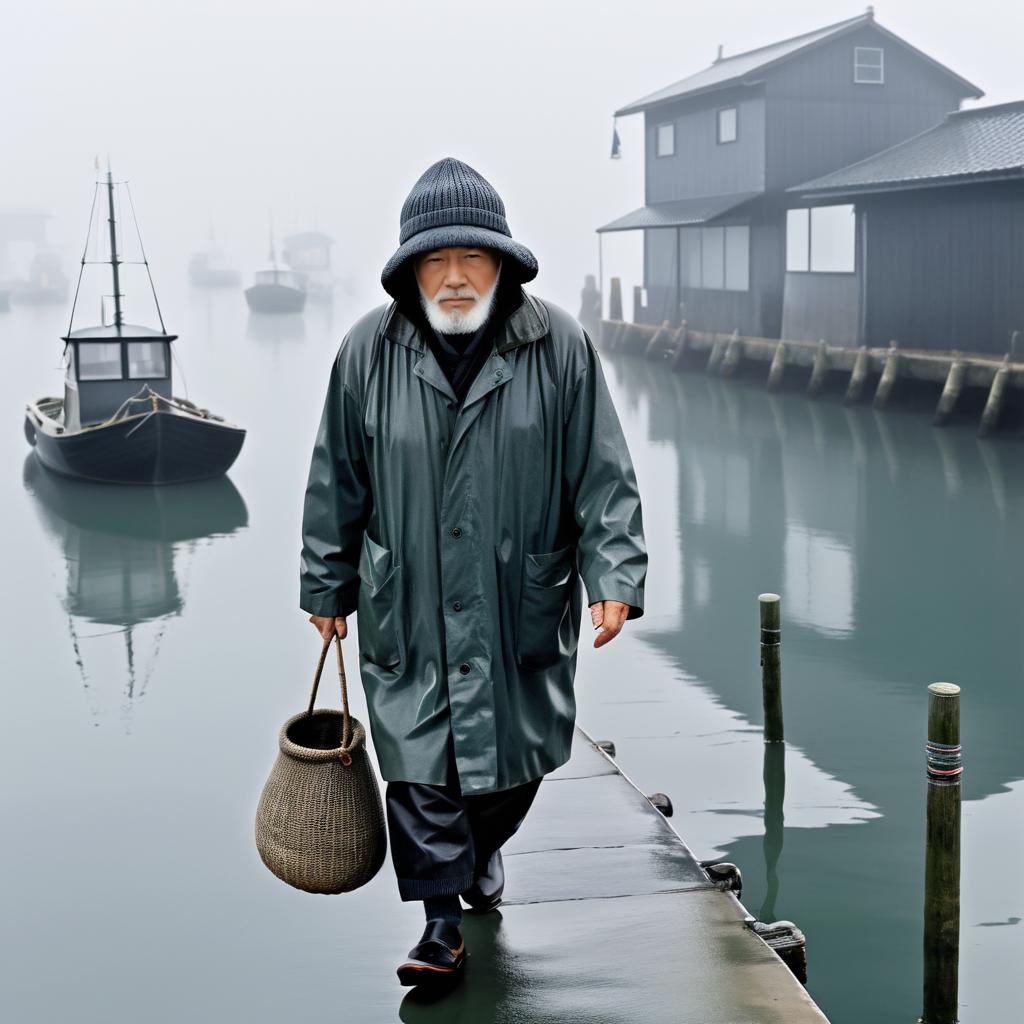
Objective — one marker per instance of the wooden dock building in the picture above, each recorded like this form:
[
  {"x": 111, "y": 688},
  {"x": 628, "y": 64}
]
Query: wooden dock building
[
  {"x": 939, "y": 223},
  {"x": 724, "y": 147}
]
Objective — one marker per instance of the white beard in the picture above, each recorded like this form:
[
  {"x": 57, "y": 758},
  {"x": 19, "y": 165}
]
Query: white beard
[{"x": 457, "y": 321}]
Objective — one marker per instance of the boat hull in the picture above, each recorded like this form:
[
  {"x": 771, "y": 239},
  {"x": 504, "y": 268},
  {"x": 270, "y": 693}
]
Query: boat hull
[
  {"x": 158, "y": 448},
  {"x": 275, "y": 298}
]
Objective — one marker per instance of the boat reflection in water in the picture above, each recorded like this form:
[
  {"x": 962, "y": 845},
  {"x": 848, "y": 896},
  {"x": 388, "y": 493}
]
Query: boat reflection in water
[{"x": 128, "y": 552}]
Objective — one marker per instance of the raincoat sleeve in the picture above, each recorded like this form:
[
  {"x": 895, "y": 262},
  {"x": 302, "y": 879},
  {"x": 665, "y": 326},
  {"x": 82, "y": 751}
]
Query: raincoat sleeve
[
  {"x": 601, "y": 484},
  {"x": 337, "y": 504}
]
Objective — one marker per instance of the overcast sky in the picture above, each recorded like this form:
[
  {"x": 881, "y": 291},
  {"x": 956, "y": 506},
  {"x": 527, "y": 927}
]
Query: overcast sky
[{"x": 222, "y": 110}]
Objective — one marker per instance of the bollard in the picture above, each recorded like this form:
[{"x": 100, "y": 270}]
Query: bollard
[
  {"x": 888, "y": 381},
  {"x": 951, "y": 391},
  {"x": 818, "y": 370},
  {"x": 771, "y": 667},
  {"x": 942, "y": 856},
  {"x": 615, "y": 299},
  {"x": 858, "y": 376},
  {"x": 994, "y": 404},
  {"x": 778, "y": 367},
  {"x": 662, "y": 802},
  {"x": 724, "y": 876}
]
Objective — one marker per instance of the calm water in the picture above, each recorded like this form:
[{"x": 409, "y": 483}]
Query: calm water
[{"x": 152, "y": 645}]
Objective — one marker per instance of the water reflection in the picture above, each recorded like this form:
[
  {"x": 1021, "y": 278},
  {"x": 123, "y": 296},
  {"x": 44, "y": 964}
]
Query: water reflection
[
  {"x": 275, "y": 327},
  {"x": 896, "y": 549},
  {"x": 128, "y": 551}
]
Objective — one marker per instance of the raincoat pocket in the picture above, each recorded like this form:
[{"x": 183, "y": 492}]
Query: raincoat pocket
[
  {"x": 377, "y": 610},
  {"x": 545, "y": 628}
]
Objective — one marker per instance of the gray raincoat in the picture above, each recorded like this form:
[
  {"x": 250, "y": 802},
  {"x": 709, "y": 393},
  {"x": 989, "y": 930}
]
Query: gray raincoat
[{"x": 460, "y": 537}]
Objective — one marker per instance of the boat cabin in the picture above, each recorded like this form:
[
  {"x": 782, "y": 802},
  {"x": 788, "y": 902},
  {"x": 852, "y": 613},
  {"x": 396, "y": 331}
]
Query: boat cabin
[
  {"x": 286, "y": 278},
  {"x": 107, "y": 366}
]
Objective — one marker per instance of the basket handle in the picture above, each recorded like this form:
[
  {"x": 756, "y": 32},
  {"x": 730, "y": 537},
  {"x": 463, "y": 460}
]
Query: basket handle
[{"x": 346, "y": 727}]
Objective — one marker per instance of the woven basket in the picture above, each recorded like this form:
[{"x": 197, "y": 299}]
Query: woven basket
[{"x": 320, "y": 822}]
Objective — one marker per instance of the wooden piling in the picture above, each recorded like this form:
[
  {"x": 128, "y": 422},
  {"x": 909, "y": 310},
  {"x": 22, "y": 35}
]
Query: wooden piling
[
  {"x": 717, "y": 354},
  {"x": 888, "y": 381},
  {"x": 615, "y": 299},
  {"x": 733, "y": 354},
  {"x": 681, "y": 339},
  {"x": 655, "y": 338},
  {"x": 771, "y": 667},
  {"x": 996, "y": 394},
  {"x": 778, "y": 367},
  {"x": 858, "y": 376},
  {"x": 1017, "y": 344},
  {"x": 638, "y": 302},
  {"x": 942, "y": 856},
  {"x": 818, "y": 370},
  {"x": 950, "y": 391}
]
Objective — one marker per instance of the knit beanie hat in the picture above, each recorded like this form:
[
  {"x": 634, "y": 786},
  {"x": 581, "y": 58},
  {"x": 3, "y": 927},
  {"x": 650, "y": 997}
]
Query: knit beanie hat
[{"x": 454, "y": 205}]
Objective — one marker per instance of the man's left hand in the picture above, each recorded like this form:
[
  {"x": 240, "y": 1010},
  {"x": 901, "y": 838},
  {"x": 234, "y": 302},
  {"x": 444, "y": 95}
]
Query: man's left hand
[{"x": 607, "y": 617}]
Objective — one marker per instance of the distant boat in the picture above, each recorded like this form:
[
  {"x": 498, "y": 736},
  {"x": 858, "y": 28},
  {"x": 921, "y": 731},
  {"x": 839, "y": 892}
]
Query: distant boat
[
  {"x": 208, "y": 269},
  {"x": 309, "y": 252},
  {"x": 47, "y": 283},
  {"x": 275, "y": 290},
  {"x": 119, "y": 421}
]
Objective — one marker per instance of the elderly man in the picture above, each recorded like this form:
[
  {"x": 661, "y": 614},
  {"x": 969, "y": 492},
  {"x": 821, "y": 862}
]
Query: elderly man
[{"x": 468, "y": 472}]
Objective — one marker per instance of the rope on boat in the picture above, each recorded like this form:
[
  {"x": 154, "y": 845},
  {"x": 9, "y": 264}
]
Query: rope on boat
[{"x": 147, "y": 394}]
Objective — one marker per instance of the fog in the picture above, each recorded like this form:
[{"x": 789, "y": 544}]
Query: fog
[{"x": 325, "y": 113}]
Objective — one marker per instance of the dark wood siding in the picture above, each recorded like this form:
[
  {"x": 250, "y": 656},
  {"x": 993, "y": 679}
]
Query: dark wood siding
[
  {"x": 701, "y": 166},
  {"x": 822, "y": 306},
  {"x": 819, "y": 119},
  {"x": 945, "y": 266}
]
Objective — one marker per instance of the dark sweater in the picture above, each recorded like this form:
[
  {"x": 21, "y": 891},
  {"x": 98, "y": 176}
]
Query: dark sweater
[{"x": 461, "y": 356}]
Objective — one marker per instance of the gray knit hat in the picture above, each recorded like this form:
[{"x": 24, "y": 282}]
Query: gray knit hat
[{"x": 452, "y": 204}]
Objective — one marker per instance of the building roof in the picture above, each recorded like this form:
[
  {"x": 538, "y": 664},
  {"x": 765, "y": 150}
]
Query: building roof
[
  {"x": 108, "y": 332},
  {"x": 679, "y": 212},
  {"x": 982, "y": 144},
  {"x": 745, "y": 68}
]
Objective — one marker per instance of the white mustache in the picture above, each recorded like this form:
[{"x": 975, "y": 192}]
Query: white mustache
[{"x": 466, "y": 292}]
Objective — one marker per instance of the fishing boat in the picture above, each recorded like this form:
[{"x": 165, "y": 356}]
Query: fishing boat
[
  {"x": 309, "y": 252},
  {"x": 276, "y": 289},
  {"x": 208, "y": 269},
  {"x": 119, "y": 420}
]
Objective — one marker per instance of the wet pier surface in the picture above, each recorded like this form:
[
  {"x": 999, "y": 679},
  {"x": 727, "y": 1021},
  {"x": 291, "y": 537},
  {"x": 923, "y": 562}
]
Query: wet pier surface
[{"x": 609, "y": 917}]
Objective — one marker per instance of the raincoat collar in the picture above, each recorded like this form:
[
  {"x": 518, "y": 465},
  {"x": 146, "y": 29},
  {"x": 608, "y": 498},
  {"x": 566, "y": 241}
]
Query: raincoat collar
[{"x": 527, "y": 323}]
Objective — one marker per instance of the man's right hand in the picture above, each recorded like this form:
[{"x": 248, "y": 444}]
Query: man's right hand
[{"x": 327, "y": 627}]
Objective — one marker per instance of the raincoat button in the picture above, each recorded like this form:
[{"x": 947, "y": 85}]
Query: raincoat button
[
  {"x": 498, "y": 374},
  {"x": 456, "y": 532},
  {"x": 464, "y": 668},
  {"x": 457, "y": 606}
]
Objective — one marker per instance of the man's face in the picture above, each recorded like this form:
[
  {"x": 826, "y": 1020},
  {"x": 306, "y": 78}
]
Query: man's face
[{"x": 457, "y": 287}]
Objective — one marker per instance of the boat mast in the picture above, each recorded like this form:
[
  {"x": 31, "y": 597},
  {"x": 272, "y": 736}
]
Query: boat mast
[{"x": 114, "y": 263}]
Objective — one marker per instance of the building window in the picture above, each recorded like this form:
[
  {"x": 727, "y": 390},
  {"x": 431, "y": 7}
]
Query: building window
[
  {"x": 666, "y": 139},
  {"x": 147, "y": 359},
  {"x": 868, "y": 66},
  {"x": 822, "y": 240},
  {"x": 715, "y": 257},
  {"x": 727, "y": 125},
  {"x": 99, "y": 360}
]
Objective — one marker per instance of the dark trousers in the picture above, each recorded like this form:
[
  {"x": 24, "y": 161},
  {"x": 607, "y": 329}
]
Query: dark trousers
[{"x": 439, "y": 837}]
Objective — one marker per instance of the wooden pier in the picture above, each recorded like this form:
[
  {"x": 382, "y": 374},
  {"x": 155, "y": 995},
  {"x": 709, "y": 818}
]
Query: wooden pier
[
  {"x": 863, "y": 372},
  {"x": 610, "y": 917}
]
